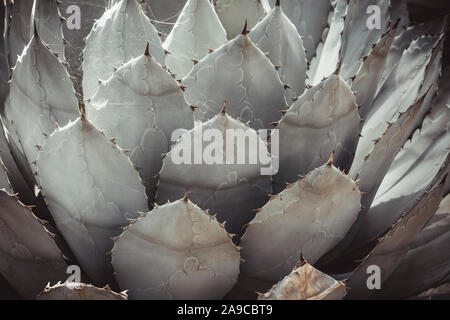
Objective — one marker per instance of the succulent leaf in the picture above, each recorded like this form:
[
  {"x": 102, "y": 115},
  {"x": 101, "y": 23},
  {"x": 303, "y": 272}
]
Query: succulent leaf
[
  {"x": 384, "y": 149},
  {"x": 79, "y": 291},
  {"x": 356, "y": 45},
  {"x": 403, "y": 40},
  {"x": 4, "y": 180},
  {"x": 117, "y": 37},
  {"x": 212, "y": 185},
  {"x": 17, "y": 29},
  {"x": 46, "y": 102},
  {"x": 310, "y": 217},
  {"x": 306, "y": 283},
  {"x": 239, "y": 73},
  {"x": 365, "y": 81},
  {"x": 145, "y": 95},
  {"x": 29, "y": 257},
  {"x": 413, "y": 170},
  {"x": 403, "y": 87},
  {"x": 177, "y": 251},
  {"x": 234, "y": 13},
  {"x": 277, "y": 36},
  {"x": 4, "y": 68},
  {"x": 395, "y": 244},
  {"x": 328, "y": 53},
  {"x": 324, "y": 119},
  {"x": 381, "y": 216},
  {"x": 92, "y": 200},
  {"x": 13, "y": 174},
  {"x": 310, "y": 17},
  {"x": 45, "y": 20},
  {"x": 426, "y": 264},
  {"x": 197, "y": 30}
]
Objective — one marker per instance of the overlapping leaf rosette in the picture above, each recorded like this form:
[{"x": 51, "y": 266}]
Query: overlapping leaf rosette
[{"x": 361, "y": 109}]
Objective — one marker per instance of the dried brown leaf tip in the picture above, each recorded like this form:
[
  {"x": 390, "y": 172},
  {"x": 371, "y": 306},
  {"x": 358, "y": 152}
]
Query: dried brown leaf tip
[
  {"x": 82, "y": 110},
  {"x": 224, "y": 108},
  {"x": 331, "y": 160},
  {"x": 147, "y": 52},
  {"x": 245, "y": 31},
  {"x": 186, "y": 196}
]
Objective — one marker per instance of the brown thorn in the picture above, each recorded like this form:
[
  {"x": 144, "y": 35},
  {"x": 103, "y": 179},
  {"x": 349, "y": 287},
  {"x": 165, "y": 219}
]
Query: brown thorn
[
  {"x": 244, "y": 31},
  {"x": 186, "y": 196},
  {"x": 147, "y": 52},
  {"x": 331, "y": 160},
  {"x": 224, "y": 108}
]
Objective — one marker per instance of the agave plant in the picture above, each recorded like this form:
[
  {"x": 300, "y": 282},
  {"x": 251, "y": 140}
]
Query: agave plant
[{"x": 92, "y": 118}]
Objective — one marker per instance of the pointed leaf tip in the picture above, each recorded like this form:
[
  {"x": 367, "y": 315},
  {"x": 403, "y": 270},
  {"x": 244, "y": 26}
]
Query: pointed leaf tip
[
  {"x": 244, "y": 31},
  {"x": 331, "y": 160},
  {"x": 224, "y": 108},
  {"x": 82, "y": 110},
  {"x": 186, "y": 196},
  {"x": 147, "y": 52}
]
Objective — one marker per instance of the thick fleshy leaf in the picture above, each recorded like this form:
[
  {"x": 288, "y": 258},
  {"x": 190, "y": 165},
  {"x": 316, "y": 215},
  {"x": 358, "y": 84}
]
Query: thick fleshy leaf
[
  {"x": 4, "y": 180},
  {"x": 45, "y": 19},
  {"x": 374, "y": 167},
  {"x": 40, "y": 89},
  {"x": 365, "y": 82},
  {"x": 239, "y": 73},
  {"x": 8, "y": 166},
  {"x": 403, "y": 40},
  {"x": 311, "y": 18},
  {"x": 276, "y": 36},
  {"x": 427, "y": 263},
  {"x": 327, "y": 56},
  {"x": 17, "y": 28},
  {"x": 357, "y": 37},
  {"x": 19, "y": 171},
  {"x": 197, "y": 30},
  {"x": 29, "y": 257},
  {"x": 141, "y": 105},
  {"x": 434, "y": 128},
  {"x": 395, "y": 244},
  {"x": 91, "y": 188},
  {"x": 177, "y": 251},
  {"x": 431, "y": 79},
  {"x": 235, "y": 13},
  {"x": 306, "y": 283},
  {"x": 117, "y": 37},
  {"x": 404, "y": 86},
  {"x": 384, "y": 149},
  {"x": 310, "y": 217},
  {"x": 413, "y": 170},
  {"x": 210, "y": 179},
  {"x": 79, "y": 291},
  {"x": 4, "y": 68},
  {"x": 381, "y": 216},
  {"x": 400, "y": 91},
  {"x": 324, "y": 119}
]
